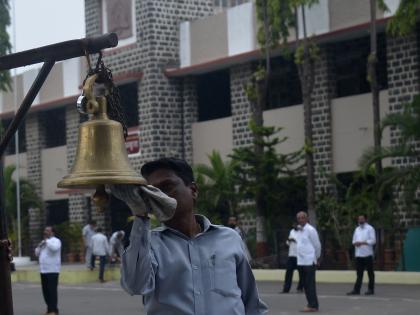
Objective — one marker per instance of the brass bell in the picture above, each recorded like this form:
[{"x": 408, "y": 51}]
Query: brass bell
[{"x": 101, "y": 156}]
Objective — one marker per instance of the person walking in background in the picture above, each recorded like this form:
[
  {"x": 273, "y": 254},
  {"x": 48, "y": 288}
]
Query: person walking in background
[
  {"x": 88, "y": 231},
  {"x": 100, "y": 247},
  {"x": 308, "y": 253},
  {"x": 291, "y": 264},
  {"x": 48, "y": 252},
  {"x": 233, "y": 224},
  {"x": 364, "y": 238},
  {"x": 117, "y": 245}
]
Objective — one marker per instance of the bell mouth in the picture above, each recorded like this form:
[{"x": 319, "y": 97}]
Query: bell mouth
[{"x": 88, "y": 180}]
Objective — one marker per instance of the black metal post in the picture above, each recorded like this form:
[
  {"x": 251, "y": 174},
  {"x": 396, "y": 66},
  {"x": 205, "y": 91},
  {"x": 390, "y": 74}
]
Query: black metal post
[{"x": 6, "y": 301}]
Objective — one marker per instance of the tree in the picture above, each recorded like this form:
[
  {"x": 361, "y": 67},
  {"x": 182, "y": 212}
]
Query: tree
[
  {"x": 269, "y": 34},
  {"x": 305, "y": 58},
  {"x": 338, "y": 213},
  {"x": 5, "y": 46},
  {"x": 405, "y": 19},
  {"x": 218, "y": 197},
  {"x": 259, "y": 175},
  {"x": 373, "y": 80},
  {"x": 29, "y": 199},
  {"x": 276, "y": 17},
  {"x": 406, "y": 178}
]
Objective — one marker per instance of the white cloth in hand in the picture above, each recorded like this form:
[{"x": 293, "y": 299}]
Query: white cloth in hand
[{"x": 146, "y": 199}]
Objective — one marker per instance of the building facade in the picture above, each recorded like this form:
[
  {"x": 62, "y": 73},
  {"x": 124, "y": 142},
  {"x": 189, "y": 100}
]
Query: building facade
[{"x": 181, "y": 67}]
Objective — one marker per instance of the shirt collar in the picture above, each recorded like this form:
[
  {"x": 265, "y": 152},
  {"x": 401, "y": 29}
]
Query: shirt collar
[{"x": 201, "y": 219}]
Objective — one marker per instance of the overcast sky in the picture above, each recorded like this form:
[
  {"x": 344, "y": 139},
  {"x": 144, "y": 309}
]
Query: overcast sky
[{"x": 43, "y": 22}]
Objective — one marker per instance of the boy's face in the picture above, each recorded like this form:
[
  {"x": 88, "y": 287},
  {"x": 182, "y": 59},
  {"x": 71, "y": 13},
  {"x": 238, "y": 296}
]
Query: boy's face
[{"x": 172, "y": 185}]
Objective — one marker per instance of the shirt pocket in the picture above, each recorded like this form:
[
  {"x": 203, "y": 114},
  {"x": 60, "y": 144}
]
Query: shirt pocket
[{"x": 223, "y": 276}]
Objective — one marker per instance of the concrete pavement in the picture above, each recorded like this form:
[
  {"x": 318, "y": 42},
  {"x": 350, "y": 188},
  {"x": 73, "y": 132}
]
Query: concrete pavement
[{"x": 110, "y": 299}]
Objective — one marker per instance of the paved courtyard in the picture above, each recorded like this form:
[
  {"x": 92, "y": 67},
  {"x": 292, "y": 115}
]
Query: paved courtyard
[{"x": 109, "y": 299}]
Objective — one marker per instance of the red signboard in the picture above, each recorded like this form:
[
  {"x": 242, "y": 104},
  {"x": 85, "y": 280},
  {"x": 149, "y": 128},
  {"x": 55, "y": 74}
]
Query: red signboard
[{"x": 132, "y": 143}]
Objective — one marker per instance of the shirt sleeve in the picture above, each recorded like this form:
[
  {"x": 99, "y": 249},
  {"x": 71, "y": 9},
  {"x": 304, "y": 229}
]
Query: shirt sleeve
[
  {"x": 138, "y": 264},
  {"x": 371, "y": 237},
  {"x": 37, "y": 251},
  {"x": 315, "y": 242},
  {"x": 246, "y": 282},
  {"x": 53, "y": 244},
  {"x": 354, "y": 236}
]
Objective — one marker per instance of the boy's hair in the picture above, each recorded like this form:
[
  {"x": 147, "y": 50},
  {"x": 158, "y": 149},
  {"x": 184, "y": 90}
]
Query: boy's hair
[{"x": 180, "y": 167}]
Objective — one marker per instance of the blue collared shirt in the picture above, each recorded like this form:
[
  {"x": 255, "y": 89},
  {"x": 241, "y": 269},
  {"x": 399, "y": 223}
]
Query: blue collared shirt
[{"x": 177, "y": 275}]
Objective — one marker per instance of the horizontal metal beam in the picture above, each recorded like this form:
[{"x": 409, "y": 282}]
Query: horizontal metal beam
[{"x": 60, "y": 51}]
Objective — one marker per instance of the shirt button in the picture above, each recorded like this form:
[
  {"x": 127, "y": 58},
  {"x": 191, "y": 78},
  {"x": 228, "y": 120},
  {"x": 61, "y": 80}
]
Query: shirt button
[{"x": 197, "y": 292}]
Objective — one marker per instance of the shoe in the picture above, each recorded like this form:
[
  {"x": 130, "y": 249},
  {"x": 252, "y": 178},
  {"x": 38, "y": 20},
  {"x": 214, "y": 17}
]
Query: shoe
[
  {"x": 299, "y": 290},
  {"x": 284, "y": 292},
  {"x": 353, "y": 293},
  {"x": 369, "y": 292},
  {"x": 102, "y": 281},
  {"x": 309, "y": 310}
]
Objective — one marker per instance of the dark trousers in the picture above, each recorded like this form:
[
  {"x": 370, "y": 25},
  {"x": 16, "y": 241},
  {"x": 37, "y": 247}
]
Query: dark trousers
[
  {"x": 362, "y": 264},
  {"x": 102, "y": 263},
  {"x": 49, "y": 283},
  {"x": 309, "y": 285},
  {"x": 291, "y": 266}
]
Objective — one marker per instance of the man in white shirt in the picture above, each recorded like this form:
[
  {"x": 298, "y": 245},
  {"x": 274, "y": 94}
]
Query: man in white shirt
[
  {"x": 364, "y": 239},
  {"x": 308, "y": 253},
  {"x": 100, "y": 247},
  {"x": 49, "y": 254},
  {"x": 117, "y": 245},
  {"x": 291, "y": 264},
  {"x": 87, "y": 232}
]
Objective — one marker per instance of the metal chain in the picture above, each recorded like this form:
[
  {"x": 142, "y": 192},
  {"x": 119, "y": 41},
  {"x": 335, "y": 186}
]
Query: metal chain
[{"x": 114, "y": 108}]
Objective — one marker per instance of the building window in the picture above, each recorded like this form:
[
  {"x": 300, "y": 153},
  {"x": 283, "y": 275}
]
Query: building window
[
  {"x": 11, "y": 149},
  {"x": 118, "y": 16},
  {"x": 129, "y": 102},
  {"x": 57, "y": 211},
  {"x": 350, "y": 61},
  {"x": 213, "y": 91},
  {"x": 54, "y": 127},
  {"x": 285, "y": 87}
]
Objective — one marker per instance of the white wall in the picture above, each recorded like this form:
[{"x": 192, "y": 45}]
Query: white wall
[
  {"x": 352, "y": 126},
  {"x": 11, "y": 160},
  {"x": 317, "y": 19},
  {"x": 241, "y": 29},
  {"x": 291, "y": 120},
  {"x": 211, "y": 135},
  {"x": 54, "y": 168},
  {"x": 185, "y": 44}
]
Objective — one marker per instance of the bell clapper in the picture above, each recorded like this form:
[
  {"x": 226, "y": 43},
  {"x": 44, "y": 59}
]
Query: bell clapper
[{"x": 100, "y": 198}]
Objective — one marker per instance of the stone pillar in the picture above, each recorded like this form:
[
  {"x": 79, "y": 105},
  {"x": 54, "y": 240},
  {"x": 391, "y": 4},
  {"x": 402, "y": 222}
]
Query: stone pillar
[
  {"x": 403, "y": 83},
  {"x": 36, "y": 222},
  {"x": 35, "y": 142},
  {"x": 322, "y": 124},
  {"x": 240, "y": 77},
  {"x": 190, "y": 115}
]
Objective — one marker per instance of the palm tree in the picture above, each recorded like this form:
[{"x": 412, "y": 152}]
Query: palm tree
[
  {"x": 29, "y": 199},
  {"x": 408, "y": 176},
  {"x": 218, "y": 197}
]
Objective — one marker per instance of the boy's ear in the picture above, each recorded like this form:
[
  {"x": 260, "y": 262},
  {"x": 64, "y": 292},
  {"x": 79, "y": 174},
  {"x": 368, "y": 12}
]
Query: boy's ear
[{"x": 194, "y": 189}]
